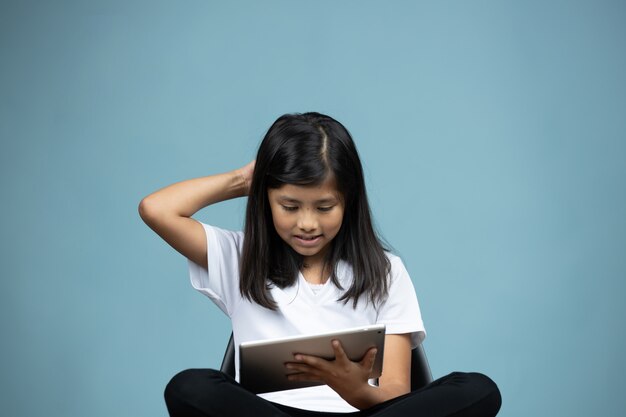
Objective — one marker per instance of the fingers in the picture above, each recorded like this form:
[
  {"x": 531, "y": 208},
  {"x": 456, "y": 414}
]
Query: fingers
[
  {"x": 304, "y": 377},
  {"x": 302, "y": 372},
  {"x": 340, "y": 354},
  {"x": 250, "y": 165},
  {"x": 368, "y": 360},
  {"x": 306, "y": 363},
  {"x": 340, "y": 357},
  {"x": 246, "y": 172},
  {"x": 337, "y": 372},
  {"x": 315, "y": 367}
]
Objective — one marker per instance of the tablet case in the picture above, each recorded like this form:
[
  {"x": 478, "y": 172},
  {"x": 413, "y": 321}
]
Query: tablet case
[{"x": 263, "y": 362}]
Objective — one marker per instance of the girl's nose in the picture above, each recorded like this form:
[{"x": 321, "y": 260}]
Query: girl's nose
[{"x": 307, "y": 221}]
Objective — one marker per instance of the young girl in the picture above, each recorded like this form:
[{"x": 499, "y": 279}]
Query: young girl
[{"x": 308, "y": 261}]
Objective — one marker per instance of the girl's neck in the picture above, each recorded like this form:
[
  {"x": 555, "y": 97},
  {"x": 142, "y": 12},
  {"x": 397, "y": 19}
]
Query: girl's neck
[
  {"x": 317, "y": 273},
  {"x": 316, "y": 269}
]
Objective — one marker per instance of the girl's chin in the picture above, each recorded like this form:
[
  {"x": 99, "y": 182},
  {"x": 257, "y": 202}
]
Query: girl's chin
[{"x": 308, "y": 251}]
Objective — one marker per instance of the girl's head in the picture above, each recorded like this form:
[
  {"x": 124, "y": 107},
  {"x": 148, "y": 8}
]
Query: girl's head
[
  {"x": 314, "y": 152},
  {"x": 307, "y": 149}
]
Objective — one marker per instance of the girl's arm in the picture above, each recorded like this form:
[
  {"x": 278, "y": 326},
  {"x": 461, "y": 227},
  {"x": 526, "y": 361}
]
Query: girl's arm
[
  {"x": 168, "y": 211},
  {"x": 349, "y": 379}
]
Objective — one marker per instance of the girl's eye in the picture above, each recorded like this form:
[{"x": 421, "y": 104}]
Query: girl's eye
[
  {"x": 325, "y": 208},
  {"x": 290, "y": 208}
]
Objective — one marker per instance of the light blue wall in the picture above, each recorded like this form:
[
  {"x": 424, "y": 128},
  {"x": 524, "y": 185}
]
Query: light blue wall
[{"x": 493, "y": 135}]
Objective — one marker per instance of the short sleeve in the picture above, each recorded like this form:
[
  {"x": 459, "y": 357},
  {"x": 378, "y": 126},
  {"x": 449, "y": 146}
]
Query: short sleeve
[
  {"x": 400, "y": 312},
  {"x": 220, "y": 280}
]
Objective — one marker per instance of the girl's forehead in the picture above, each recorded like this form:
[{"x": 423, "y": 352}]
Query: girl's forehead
[{"x": 326, "y": 190}]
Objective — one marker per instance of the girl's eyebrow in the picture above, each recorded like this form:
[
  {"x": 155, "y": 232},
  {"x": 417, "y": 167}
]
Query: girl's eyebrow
[{"x": 287, "y": 199}]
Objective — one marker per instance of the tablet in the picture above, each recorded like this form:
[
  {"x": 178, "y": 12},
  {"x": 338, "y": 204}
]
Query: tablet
[{"x": 262, "y": 363}]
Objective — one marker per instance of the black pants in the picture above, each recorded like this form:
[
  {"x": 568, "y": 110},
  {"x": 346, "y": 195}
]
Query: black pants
[{"x": 209, "y": 393}]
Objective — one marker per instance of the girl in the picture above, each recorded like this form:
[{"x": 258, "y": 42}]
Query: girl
[{"x": 308, "y": 261}]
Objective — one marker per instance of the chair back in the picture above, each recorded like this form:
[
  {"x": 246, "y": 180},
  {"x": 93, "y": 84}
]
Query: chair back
[
  {"x": 420, "y": 370},
  {"x": 228, "y": 362}
]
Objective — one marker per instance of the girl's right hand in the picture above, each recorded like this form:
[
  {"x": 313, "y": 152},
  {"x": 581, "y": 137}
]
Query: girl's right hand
[
  {"x": 246, "y": 174},
  {"x": 168, "y": 211}
]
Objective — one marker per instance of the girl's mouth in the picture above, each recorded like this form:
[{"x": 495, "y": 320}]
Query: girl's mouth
[{"x": 308, "y": 240}]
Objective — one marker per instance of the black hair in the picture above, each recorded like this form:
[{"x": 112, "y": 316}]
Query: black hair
[{"x": 306, "y": 149}]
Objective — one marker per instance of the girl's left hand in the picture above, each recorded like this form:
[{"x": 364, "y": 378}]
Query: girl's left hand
[
  {"x": 246, "y": 173},
  {"x": 347, "y": 378}
]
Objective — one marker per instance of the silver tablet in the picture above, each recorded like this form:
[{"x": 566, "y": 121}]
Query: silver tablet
[{"x": 262, "y": 363}]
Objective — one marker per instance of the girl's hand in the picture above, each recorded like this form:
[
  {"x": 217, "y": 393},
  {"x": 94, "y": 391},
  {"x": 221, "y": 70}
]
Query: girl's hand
[
  {"x": 246, "y": 175},
  {"x": 347, "y": 378}
]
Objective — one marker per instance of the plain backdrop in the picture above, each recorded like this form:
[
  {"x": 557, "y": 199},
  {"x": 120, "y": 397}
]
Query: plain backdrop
[{"x": 493, "y": 137}]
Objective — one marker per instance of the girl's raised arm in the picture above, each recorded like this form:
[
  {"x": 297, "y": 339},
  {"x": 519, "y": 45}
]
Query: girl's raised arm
[{"x": 168, "y": 211}]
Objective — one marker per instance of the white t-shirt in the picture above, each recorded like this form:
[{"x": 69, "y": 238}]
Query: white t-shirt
[{"x": 301, "y": 311}]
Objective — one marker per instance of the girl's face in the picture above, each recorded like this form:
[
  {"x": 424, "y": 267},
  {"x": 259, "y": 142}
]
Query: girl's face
[{"x": 307, "y": 218}]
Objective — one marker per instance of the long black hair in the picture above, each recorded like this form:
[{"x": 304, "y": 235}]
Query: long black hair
[{"x": 305, "y": 149}]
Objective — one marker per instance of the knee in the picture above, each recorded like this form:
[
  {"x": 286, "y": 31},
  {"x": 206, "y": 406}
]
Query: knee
[
  {"x": 488, "y": 390},
  {"x": 487, "y": 384},
  {"x": 188, "y": 383}
]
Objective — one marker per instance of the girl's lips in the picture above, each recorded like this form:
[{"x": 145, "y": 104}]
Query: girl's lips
[{"x": 308, "y": 241}]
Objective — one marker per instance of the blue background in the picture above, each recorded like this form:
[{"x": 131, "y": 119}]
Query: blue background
[{"x": 493, "y": 135}]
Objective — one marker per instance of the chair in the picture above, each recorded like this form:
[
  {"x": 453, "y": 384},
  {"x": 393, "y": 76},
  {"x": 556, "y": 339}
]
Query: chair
[{"x": 420, "y": 370}]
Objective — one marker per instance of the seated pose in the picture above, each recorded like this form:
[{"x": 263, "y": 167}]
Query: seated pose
[{"x": 308, "y": 261}]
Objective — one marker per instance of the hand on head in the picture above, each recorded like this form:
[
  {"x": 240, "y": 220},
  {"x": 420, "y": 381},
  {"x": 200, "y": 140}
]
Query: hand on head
[{"x": 246, "y": 175}]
